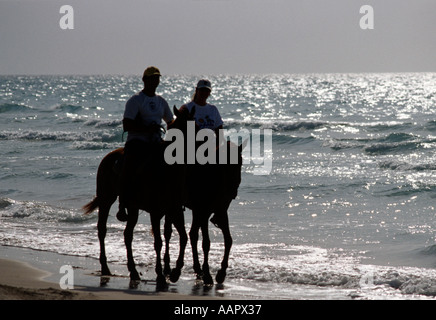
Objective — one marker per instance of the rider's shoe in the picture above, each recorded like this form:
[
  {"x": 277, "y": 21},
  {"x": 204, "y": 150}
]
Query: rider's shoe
[{"x": 122, "y": 214}]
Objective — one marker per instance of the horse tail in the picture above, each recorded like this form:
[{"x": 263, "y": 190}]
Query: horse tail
[{"x": 91, "y": 206}]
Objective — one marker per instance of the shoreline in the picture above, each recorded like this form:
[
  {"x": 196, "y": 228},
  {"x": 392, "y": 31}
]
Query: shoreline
[
  {"x": 27, "y": 274},
  {"x": 24, "y": 281}
]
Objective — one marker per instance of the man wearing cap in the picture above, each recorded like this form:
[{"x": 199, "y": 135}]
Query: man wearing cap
[{"x": 142, "y": 120}]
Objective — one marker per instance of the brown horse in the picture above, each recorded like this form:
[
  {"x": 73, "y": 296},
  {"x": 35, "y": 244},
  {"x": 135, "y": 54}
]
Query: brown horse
[
  {"x": 210, "y": 190},
  {"x": 159, "y": 195}
]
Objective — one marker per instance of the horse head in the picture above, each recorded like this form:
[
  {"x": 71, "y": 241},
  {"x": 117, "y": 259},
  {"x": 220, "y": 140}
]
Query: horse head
[
  {"x": 184, "y": 113},
  {"x": 182, "y": 118}
]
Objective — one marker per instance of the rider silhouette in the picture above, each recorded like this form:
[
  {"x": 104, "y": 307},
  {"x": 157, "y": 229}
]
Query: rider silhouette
[{"x": 142, "y": 120}]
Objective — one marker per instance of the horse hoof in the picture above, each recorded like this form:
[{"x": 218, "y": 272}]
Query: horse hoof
[
  {"x": 175, "y": 275},
  {"x": 134, "y": 276},
  {"x": 207, "y": 280},
  {"x": 105, "y": 271},
  {"x": 104, "y": 280},
  {"x": 161, "y": 282},
  {"x": 220, "y": 276},
  {"x": 134, "y": 284}
]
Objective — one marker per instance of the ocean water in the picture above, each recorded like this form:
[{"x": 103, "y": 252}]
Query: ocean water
[{"x": 346, "y": 212}]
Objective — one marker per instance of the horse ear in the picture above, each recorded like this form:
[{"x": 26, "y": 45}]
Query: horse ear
[
  {"x": 243, "y": 145},
  {"x": 192, "y": 111},
  {"x": 176, "y": 111}
]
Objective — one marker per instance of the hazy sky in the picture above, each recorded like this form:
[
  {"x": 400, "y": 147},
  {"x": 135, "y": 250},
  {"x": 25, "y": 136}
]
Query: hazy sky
[{"x": 216, "y": 36}]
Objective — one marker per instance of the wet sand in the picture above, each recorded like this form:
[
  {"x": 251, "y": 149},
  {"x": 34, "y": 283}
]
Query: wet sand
[{"x": 36, "y": 275}]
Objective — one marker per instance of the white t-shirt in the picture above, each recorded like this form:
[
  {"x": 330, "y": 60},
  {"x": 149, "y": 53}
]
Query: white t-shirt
[
  {"x": 206, "y": 117},
  {"x": 150, "y": 110}
]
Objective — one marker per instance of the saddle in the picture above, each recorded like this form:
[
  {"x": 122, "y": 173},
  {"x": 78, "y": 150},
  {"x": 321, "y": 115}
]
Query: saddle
[
  {"x": 152, "y": 156},
  {"x": 140, "y": 169}
]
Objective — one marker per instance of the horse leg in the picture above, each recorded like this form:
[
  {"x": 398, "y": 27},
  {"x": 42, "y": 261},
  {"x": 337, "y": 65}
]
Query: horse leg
[
  {"x": 155, "y": 224},
  {"x": 193, "y": 236},
  {"x": 207, "y": 278},
  {"x": 179, "y": 223},
  {"x": 128, "y": 239},
  {"x": 103, "y": 213},
  {"x": 168, "y": 230},
  {"x": 221, "y": 275}
]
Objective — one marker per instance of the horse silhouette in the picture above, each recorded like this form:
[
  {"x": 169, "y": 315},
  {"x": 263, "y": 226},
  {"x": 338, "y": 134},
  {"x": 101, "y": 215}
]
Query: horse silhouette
[
  {"x": 210, "y": 189},
  {"x": 206, "y": 189},
  {"x": 159, "y": 194}
]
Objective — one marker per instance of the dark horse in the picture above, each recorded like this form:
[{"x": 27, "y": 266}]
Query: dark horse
[
  {"x": 159, "y": 194},
  {"x": 210, "y": 190}
]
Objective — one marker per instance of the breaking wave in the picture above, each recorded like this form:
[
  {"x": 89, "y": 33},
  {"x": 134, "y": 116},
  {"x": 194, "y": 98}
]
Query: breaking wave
[
  {"x": 35, "y": 135},
  {"x": 12, "y": 107}
]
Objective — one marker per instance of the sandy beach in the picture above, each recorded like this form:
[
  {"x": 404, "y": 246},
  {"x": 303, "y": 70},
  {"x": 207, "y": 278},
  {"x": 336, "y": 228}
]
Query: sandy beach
[
  {"x": 22, "y": 281},
  {"x": 34, "y": 275}
]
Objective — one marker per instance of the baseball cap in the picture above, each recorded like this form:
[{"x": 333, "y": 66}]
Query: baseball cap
[
  {"x": 203, "y": 83},
  {"x": 151, "y": 71}
]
